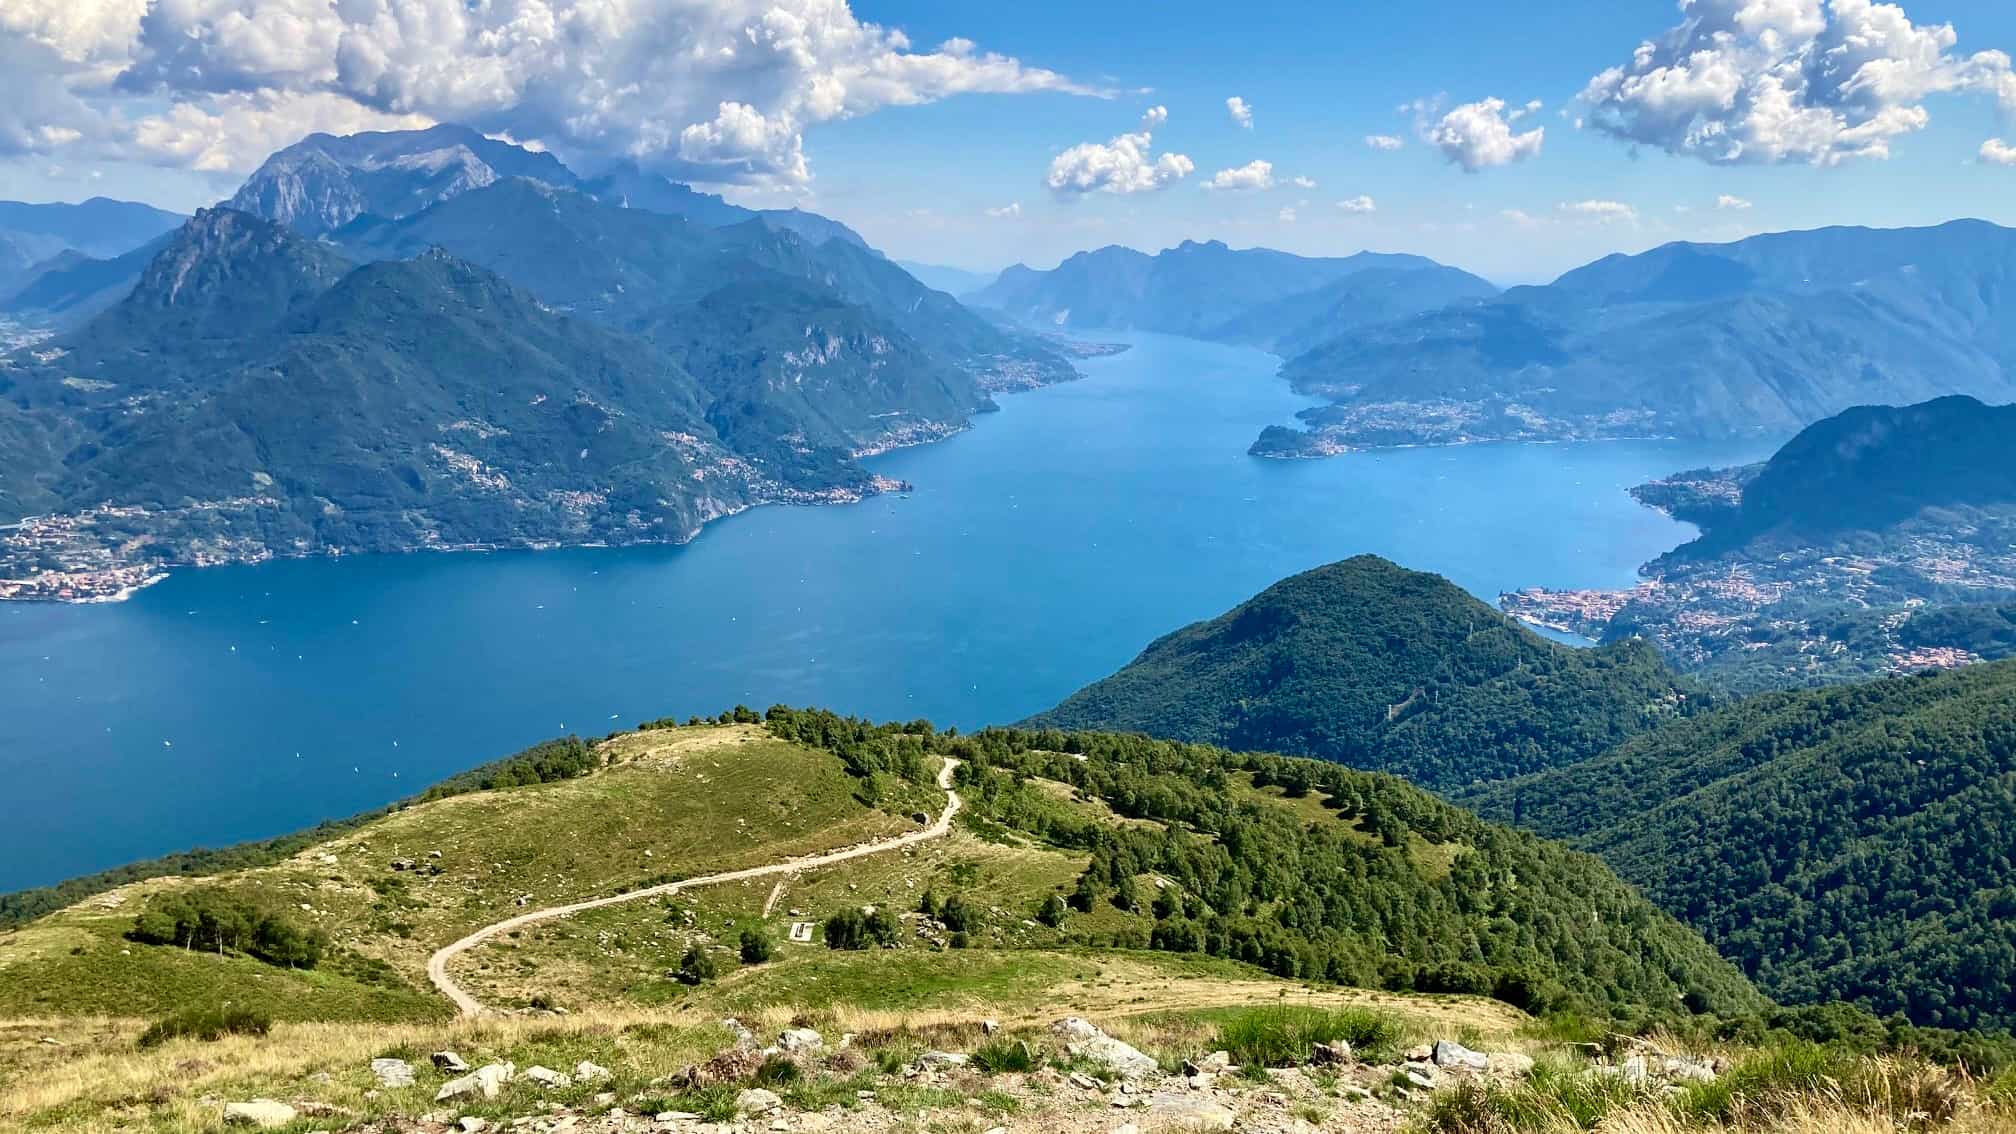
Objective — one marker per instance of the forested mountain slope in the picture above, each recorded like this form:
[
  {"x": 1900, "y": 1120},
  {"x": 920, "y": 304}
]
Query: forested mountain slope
[
  {"x": 1854, "y": 843},
  {"x": 1368, "y": 664}
]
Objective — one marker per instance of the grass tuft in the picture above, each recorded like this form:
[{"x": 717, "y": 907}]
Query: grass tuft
[{"x": 207, "y": 1023}]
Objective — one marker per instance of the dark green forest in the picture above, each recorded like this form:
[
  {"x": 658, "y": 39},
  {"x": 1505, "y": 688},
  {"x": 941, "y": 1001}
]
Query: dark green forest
[
  {"x": 1854, "y": 843},
  {"x": 1369, "y": 664},
  {"x": 1402, "y": 890}
]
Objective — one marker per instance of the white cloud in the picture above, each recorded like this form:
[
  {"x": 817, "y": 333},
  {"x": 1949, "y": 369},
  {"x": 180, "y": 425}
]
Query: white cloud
[
  {"x": 1725, "y": 201},
  {"x": 1239, "y": 110},
  {"x": 1126, "y": 164},
  {"x": 1388, "y": 142},
  {"x": 1010, "y": 211},
  {"x": 1254, "y": 174},
  {"x": 1479, "y": 135},
  {"x": 720, "y": 90},
  {"x": 1358, "y": 204},
  {"x": 1286, "y": 216},
  {"x": 1767, "y": 81},
  {"x": 1605, "y": 211},
  {"x": 1998, "y": 152},
  {"x": 1302, "y": 182},
  {"x": 1520, "y": 218}
]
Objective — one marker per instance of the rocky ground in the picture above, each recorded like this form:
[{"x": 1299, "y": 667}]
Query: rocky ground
[{"x": 1073, "y": 1078}]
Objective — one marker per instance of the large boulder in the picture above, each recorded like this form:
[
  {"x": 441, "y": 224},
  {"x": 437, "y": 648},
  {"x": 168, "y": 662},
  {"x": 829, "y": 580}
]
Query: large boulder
[
  {"x": 392, "y": 1072},
  {"x": 264, "y": 1114},
  {"x": 795, "y": 1041},
  {"x": 547, "y": 1077},
  {"x": 757, "y": 1100},
  {"x": 1450, "y": 1054},
  {"x": 586, "y": 1072},
  {"x": 1085, "y": 1039}
]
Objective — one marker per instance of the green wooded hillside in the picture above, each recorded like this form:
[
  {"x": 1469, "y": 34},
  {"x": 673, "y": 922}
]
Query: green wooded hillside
[
  {"x": 1368, "y": 664},
  {"x": 1851, "y": 843}
]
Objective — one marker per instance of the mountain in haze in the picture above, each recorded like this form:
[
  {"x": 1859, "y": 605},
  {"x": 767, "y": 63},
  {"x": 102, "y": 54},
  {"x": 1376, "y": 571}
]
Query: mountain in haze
[
  {"x": 1211, "y": 291},
  {"x": 1880, "y": 540},
  {"x": 1368, "y": 664},
  {"x": 952, "y": 281},
  {"x": 257, "y": 393},
  {"x": 37, "y": 240},
  {"x": 1866, "y": 470},
  {"x": 1765, "y": 335},
  {"x": 324, "y": 182},
  {"x": 1855, "y": 843},
  {"x": 632, "y": 188}
]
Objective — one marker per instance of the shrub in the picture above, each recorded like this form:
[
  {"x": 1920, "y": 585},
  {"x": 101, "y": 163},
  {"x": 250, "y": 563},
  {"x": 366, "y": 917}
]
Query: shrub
[
  {"x": 1051, "y": 912},
  {"x": 697, "y": 966},
  {"x": 208, "y": 1024},
  {"x": 1001, "y": 1056},
  {"x": 756, "y": 947},
  {"x": 1285, "y": 1036}
]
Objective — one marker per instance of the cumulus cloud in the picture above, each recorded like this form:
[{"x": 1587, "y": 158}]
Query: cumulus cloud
[
  {"x": 1725, "y": 201},
  {"x": 1358, "y": 204},
  {"x": 1480, "y": 135},
  {"x": 1387, "y": 142},
  {"x": 1239, "y": 110},
  {"x": 1009, "y": 211},
  {"x": 1520, "y": 217},
  {"x": 1995, "y": 151},
  {"x": 1605, "y": 211},
  {"x": 720, "y": 90},
  {"x": 1302, "y": 182},
  {"x": 1126, "y": 164},
  {"x": 1768, "y": 81},
  {"x": 1254, "y": 174}
]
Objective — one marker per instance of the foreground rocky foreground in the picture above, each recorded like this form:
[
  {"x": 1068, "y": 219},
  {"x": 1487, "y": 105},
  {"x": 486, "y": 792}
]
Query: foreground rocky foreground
[{"x": 1071, "y": 1077}]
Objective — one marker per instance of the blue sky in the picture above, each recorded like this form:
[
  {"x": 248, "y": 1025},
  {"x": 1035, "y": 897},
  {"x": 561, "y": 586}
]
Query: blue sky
[{"x": 930, "y": 173}]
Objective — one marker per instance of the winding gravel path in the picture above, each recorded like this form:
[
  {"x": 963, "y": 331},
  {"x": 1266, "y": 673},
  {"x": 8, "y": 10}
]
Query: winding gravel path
[{"x": 437, "y": 965}]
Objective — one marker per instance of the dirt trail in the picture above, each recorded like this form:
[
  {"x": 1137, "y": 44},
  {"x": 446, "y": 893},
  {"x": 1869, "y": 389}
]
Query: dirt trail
[{"x": 437, "y": 965}]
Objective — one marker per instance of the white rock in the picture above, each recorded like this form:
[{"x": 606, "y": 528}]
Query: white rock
[
  {"x": 800, "y": 1039},
  {"x": 487, "y": 1081},
  {"x": 450, "y": 1062},
  {"x": 1083, "y": 1038},
  {"x": 263, "y": 1113},
  {"x": 743, "y": 1036},
  {"x": 392, "y": 1072},
  {"x": 470, "y": 1124},
  {"x": 1449, "y": 1053},
  {"x": 941, "y": 1059},
  {"x": 1187, "y": 1113},
  {"x": 586, "y": 1072},
  {"x": 756, "y": 1100},
  {"x": 547, "y": 1077}
]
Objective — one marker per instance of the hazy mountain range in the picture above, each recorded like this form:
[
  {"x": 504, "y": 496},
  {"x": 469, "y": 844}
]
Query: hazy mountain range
[
  {"x": 1764, "y": 335},
  {"x": 436, "y": 339}
]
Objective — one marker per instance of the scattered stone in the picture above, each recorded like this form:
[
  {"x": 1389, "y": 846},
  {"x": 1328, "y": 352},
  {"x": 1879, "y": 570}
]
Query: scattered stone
[
  {"x": 586, "y": 1072},
  {"x": 989, "y": 1027},
  {"x": 1083, "y": 1038},
  {"x": 675, "y": 1116},
  {"x": 547, "y": 1077},
  {"x": 487, "y": 1081},
  {"x": 1084, "y": 1082},
  {"x": 1216, "y": 1063},
  {"x": 470, "y": 1124},
  {"x": 1420, "y": 1074},
  {"x": 392, "y": 1072},
  {"x": 939, "y": 1060},
  {"x": 402, "y": 864},
  {"x": 1352, "y": 1092},
  {"x": 743, "y": 1036},
  {"x": 1450, "y": 1054},
  {"x": 1187, "y": 1113},
  {"x": 1509, "y": 1063},
  {"x": 795, "y": 1040},
  {"x": 757, "y": 1100},
  {"x": 1335, "y": 1054},
  {"x": 1686, "y": 1070},
  {"x": 450, "y": 1062},
  {"x": 262, "y": 1113},
  {"x": 1423, "y": 1053}
]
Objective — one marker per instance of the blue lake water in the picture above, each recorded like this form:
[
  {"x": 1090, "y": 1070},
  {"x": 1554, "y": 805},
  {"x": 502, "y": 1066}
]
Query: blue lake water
[{"x": 1041, "y": 550}]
